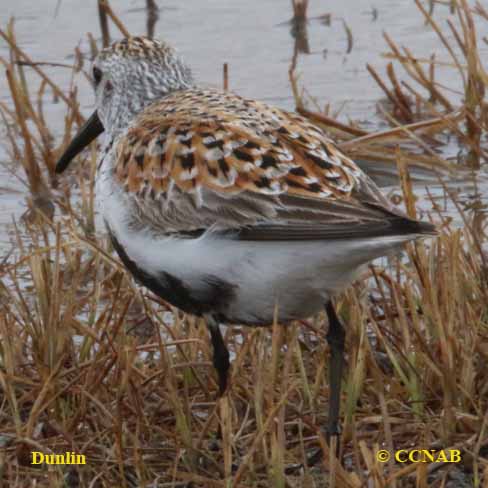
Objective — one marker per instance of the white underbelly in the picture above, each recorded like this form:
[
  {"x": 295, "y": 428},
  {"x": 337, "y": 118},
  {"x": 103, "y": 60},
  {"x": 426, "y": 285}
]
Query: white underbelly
[{"x": 295, "y": 278}]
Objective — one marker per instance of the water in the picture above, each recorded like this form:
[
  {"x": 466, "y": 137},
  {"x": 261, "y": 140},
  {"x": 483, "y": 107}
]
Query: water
[{"x": 253, "y": 37}]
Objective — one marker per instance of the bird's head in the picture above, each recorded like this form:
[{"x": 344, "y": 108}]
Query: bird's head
[{"x": 127, "y": 76}]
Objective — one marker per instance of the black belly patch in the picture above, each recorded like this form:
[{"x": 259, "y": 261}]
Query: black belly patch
[{"x": 212, "y": 298}]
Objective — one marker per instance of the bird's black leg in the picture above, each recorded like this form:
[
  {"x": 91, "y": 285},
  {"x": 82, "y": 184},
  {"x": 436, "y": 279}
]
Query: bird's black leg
[
  {"x": 220, "y": 354},
  {"x": 335, "y": 338}
]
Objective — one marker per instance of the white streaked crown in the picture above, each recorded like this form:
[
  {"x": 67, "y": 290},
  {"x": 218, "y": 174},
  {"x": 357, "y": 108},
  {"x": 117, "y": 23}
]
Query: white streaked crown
[{"x": 131, "y": 74}]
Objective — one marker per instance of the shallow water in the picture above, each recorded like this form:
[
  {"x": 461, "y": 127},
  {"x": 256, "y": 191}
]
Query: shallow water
[{"x": 253, "y": 37}]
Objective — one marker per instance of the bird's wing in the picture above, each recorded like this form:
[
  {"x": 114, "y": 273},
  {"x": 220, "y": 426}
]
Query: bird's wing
[{"x": 203, "y": 159}]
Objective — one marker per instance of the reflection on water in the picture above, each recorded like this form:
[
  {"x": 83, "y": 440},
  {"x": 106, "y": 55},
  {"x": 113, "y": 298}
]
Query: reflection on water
[
  {"x": 299, "y": 26},
  {"x": 152, "y": 17}
]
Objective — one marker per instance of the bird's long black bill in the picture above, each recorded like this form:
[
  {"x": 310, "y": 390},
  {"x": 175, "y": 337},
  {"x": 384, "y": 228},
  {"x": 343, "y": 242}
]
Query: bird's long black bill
[{"x": 91, "y": 129}]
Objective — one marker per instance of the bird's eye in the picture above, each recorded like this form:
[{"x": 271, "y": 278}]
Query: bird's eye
[{"x": 97, "y": 75}]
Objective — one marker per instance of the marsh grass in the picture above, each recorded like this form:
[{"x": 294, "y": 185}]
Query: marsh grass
[
  {"x": 420, "y": 104},
  {"x": 91, "y": 363}
]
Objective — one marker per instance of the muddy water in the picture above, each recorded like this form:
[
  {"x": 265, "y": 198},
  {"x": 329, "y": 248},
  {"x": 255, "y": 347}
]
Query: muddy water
[{"x": 253, "y": 37}]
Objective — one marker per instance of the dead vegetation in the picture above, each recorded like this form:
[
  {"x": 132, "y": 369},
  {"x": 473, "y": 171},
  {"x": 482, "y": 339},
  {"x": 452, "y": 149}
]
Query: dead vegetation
[
  {"x": 422, "y": 97},
  {"x": 91, "y": 363}
]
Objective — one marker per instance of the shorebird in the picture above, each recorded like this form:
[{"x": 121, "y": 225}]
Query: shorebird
[{"x": 226, "y": 207}]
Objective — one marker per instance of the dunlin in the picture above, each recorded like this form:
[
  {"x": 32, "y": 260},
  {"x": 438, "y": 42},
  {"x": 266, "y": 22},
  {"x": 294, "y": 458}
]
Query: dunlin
[{"x": 226, "y": 207}]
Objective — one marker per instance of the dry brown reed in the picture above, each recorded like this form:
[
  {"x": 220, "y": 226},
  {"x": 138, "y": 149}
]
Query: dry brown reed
[
  {"x": 464, "y": 54},
  {"x": 91, "y": 363},
  {"x": 423, "y": 98}
]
